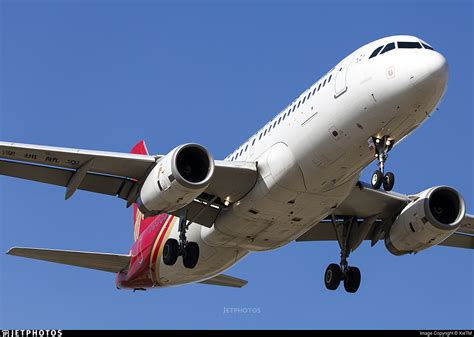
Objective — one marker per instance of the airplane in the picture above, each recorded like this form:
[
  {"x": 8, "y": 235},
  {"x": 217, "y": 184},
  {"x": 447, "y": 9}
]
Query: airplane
[{"x": 297, "y": 178}]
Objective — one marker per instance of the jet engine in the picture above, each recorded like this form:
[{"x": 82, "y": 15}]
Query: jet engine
[
  {"x": 176, "y": 180},
  {"x": 432, "y": 217}
]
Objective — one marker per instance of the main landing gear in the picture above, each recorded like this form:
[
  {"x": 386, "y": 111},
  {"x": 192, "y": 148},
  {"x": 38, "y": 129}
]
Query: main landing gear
[
  {"x": 382, "y": 146},
  {"x": 188, "y": 250},
  {"x": 335, "y": 273}
]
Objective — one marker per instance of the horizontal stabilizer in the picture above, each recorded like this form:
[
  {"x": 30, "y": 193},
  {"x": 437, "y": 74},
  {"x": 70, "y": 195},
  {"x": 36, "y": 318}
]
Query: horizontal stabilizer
[
  {"x": 101, "y": 261},
  {"x": 225, "y": 281}
]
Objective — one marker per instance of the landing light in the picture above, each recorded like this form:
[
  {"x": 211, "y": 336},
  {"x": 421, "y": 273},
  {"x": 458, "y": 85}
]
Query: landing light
[
  {"x": 387, "y": 143},
  {"x": 226, "y": 202}
]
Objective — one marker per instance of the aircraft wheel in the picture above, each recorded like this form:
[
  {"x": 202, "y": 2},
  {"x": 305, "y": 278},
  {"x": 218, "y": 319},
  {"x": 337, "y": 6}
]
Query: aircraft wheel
[
  {"x": 170, "y": 252},
  {"x": 352, "y": 280},
  {"x": 377, "y": 179},
  {"x": 191, "y": 255},
  {"x": 388, "y": 181},
  {"x": 332, "y": 276}
]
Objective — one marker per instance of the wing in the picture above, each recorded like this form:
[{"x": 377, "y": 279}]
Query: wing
[
  {"x": 374, "y": 209},
  {"x": 119, "y": 174},
  {"x": 103, "y": 172}
]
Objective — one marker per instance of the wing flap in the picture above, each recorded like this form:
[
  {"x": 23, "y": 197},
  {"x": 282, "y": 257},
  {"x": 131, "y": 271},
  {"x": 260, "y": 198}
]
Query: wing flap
[
  {"x": 225, "y": 281},
  {"x": 113, "y": 263}
]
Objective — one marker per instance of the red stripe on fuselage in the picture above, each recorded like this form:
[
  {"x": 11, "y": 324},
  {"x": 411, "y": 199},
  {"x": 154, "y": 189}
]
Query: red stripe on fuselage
[{"x": 155, "y": 252}]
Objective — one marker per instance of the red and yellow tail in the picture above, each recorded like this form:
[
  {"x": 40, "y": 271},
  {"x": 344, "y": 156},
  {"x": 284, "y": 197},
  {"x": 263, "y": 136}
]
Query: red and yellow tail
[{"x": 139, "y": 222}]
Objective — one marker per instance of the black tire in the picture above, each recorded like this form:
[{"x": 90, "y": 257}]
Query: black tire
[
  {"x": 332, "y": 276},
  {"x": 388, "y": 181},
  {"x": 377, "y": 179},
  {"x": 170, "y": 252},
  {"x": 191, "y": 255},
  {"x": 352, "y": 280}
]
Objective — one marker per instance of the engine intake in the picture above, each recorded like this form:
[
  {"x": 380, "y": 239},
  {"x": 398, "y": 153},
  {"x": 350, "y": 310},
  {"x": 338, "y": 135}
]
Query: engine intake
[
  {"x": 176, "y": 180},
  {"x": 432, "y": 217},
  {"x": 444, "y": 205}
]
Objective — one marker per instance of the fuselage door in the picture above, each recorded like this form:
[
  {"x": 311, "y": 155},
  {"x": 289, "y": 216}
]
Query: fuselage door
[{"x": 340, "y": 83}]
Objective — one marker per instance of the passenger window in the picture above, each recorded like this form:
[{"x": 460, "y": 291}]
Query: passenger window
[
  {"x": 324, "y": 83},
  {"x": 241, "y": 152},
  {"x": 253, "y": 143},
  {"x": 409, "y": 45},
  {"x": 330, "y": 76},
  {"x": 299, "y": 104},
  {"x": 274, "y": 124},
  {"x": 309, "y": 95},
  {"x": 314, "y": 90},
  {"x": 246, "y": 147},
  {"x": 376, "y": 52},
  {"x": 285, "y": 115},
  {"x": 304, "y": 99},
  {"x": 319, "y": 86},
  {"x": 294, "y": 107},
  {"x": 260, "y": 137},
  {"x": 265, "y": 133},
  {"x": 279, "y": 120},
  {"x": 388, "y": 47}
]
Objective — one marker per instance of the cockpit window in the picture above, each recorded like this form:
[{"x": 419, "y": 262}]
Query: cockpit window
[
  {"x": 388, "y": 47},
  {"x": 427, "y": 46},
  {"x": 408, "y": 45},
  {"x": 376, "y": 52}
]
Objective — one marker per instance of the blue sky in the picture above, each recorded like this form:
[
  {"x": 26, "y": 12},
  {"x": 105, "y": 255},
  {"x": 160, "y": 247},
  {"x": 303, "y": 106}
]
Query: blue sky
[{"x": 102, "y": 75}]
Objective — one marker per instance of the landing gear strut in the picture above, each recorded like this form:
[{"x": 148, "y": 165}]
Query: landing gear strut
[
  {"x": 188, "y": 250},
  {"x": 382, "y": 146},
  {"x": 343, "y": 272}
]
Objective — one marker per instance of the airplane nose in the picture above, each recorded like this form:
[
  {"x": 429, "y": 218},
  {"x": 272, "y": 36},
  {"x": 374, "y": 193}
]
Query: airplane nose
[{"x": 430, "y": 70}]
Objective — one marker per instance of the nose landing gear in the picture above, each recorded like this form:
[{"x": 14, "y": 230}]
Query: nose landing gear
[
  {"x": 188, "y": 250},
  {"x": 382, "y": 146}
]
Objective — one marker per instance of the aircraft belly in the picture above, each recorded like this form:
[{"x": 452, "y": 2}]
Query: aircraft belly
[{"x": 212, "y": 261}]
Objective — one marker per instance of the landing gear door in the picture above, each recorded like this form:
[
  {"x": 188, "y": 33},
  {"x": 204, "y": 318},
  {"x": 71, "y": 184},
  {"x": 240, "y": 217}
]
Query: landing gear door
[{"x": 340, "y": 83}]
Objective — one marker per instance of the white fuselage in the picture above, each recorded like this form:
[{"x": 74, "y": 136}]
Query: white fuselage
[{"x": 312, "y": 153}]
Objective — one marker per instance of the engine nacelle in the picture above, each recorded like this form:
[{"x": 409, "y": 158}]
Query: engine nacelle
[
  {"x": 433, "y": 216},
  {"x": 176, "y": 180}
]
